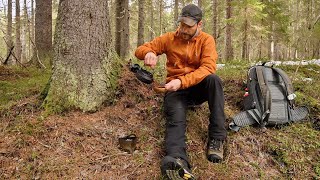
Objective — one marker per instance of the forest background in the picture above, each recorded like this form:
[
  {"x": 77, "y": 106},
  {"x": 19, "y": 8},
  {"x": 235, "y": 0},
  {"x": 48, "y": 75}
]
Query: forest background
[{"x": 66, "y": 94}]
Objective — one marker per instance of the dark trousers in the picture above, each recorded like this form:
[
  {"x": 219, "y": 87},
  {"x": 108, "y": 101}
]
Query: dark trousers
[{"x": 175, "y": 107}]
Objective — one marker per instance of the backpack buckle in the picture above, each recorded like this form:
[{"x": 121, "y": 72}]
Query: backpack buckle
[{"x": 291, "y": 96}]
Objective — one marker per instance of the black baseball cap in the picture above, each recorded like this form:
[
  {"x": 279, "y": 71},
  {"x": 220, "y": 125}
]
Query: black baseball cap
[{"x": 190, "y": 15}]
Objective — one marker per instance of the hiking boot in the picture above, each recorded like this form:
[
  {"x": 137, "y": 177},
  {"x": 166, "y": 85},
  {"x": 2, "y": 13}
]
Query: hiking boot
[
  {"x": 175, "y": 169},
  {"x": 215, "y": 150}
]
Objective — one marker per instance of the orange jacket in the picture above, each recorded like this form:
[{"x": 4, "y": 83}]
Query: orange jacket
[{"x": 190, "y": 61}]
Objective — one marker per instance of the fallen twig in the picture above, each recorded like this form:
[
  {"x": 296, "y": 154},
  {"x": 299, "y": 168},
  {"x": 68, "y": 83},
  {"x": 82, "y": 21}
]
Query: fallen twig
[
  {"x": 47, "y": 146},
  {"x": 37, "y": 54},
  {"x": 135, "y": 169},
  {"x": 105, "y": 157},
  {"x": 296, "y": 72}
]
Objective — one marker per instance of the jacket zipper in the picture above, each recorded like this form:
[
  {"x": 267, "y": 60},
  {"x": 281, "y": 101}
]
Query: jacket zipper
[{"x": 185, "y": 62}]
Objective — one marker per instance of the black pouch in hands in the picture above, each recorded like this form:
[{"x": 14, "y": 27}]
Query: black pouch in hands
[{"x": 143, "y": 75}]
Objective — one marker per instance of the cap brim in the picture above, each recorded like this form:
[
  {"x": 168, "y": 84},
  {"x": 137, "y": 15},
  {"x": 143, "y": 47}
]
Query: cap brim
[{"x": 188, "y": 21}]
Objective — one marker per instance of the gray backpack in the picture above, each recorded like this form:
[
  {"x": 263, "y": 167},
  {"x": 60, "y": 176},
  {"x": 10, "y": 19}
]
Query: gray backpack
[{"x": 269, "y": 99}]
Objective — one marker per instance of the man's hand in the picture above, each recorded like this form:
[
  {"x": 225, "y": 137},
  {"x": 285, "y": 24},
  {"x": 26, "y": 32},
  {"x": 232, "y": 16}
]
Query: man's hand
[
  {"x": 173, "y": 85},
  {"x": 150, "y": 59}
]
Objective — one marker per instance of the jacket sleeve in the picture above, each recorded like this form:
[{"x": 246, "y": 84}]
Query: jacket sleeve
[
  {"x": 157, "y": 46},
  {"x": 207, "y": 65}
]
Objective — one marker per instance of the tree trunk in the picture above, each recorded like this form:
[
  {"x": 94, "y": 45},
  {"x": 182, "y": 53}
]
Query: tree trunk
[
  {"x": 200, "y": 4},
  {"x": 160, "y": 16},
  {"x": 316, "y": 52},
  {"x": 214, "y": 18},
  {"x": 25, "y": 33},
  {"x": 9, "y": 33},
  {"x": 81, "y": 73},
  {"x": 176, "y": 11},
  {"x": 260, "y": 48},
  {"x": 31, "y": 29},
  {"x": 125, "y": 26},
  {"x": 43, "y": 30},
  {"x": 122, "y": 28},
  {"x": 272, "y": 43},
  {"x": 18, "y": 31},
  {"x": 228, "y": 49},
  {"x": 4, "y": 10},
  {"x": 151, "y": 9},
  {"x": 119, "y": 17},
  {"x": 271, "y": 55},
  {"x": 245, "y": 38},
  {"x": 141, "y": 23}
]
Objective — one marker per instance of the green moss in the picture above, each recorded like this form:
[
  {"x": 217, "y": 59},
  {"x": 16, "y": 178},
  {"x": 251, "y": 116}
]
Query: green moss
[
  {"x": 56, "y": 104},
  {"x": 26, "y": 82},
  {"x": 317, "y": 170},
  {"x": 233, "y": 71},
  {"x": 113, "y": 65},
  {"x": 261, "y": 173},
  {"x": 61, "y": 99},
  {"x": 294, "y": 147}
]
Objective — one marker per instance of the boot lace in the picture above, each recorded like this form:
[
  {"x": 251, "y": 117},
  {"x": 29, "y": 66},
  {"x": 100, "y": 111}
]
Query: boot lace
[{"x": 215, "y": 144}]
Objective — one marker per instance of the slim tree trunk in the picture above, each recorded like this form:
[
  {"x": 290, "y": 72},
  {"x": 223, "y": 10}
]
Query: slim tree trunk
[
  {"x": 31, "y": 30},
  {"x": 25, "y": 32},
  {"x": 4, "y": 10},
  {"x": 228, "y": 49},
  {"x": 43, "y": 29},
  {"x": 316, "y": 52},
  {"x": 176, "y": 11},
  {"x": 111, "y": 11},
  {"x": 122, "y": 27},
  {"x": 119, "y": 17},
  {"x": 245, "y": 37},
  {"x": 214, "y": 18},
  {"x": 18, "y": 31},
  {"x": 125, "y": 26},
  {"x": 272, "y": 43},
  {"x": 260, "y": 47},
  {"x": 9, "y": 32},
  {"x": 200, "y": 4},
  {"x": 81, "y": 77},
  {"x": 151, "y": 11},
  {"x": 141, "y": 23},
  {"x": 309, "y": 28},
  {"x": 160, "y": 15}
]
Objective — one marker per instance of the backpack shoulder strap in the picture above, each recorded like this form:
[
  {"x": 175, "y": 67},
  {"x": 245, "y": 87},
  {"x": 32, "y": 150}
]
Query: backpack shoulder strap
[
  {"x": 263, "y": 83},
  {"x": 288, "y": 85}
]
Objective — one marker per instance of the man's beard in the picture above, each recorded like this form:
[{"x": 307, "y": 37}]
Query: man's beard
[{"x": 186, "y": 36}]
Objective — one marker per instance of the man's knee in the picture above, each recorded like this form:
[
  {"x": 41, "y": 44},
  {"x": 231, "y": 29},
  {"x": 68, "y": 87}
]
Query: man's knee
[
  {"x": 174, "y": 107},
  {"x": 213, "y": 78},
  {"x": 173, "y": 101}
]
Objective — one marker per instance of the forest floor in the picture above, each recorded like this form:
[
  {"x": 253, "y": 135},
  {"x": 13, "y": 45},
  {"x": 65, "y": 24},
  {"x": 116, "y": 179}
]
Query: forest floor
[{"x": 77, "y": 145}]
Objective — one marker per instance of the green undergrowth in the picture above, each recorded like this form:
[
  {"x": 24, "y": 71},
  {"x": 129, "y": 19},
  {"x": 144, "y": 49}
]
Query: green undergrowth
[
  {"x": 295, "y": 148},
  {"x": 20, "y": 83},
  {"x": 306, "y": 82}
]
